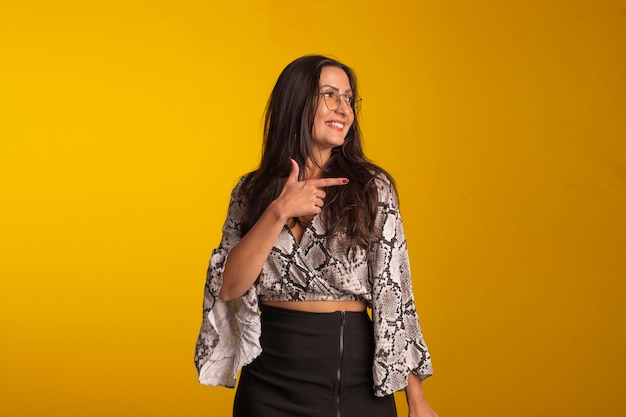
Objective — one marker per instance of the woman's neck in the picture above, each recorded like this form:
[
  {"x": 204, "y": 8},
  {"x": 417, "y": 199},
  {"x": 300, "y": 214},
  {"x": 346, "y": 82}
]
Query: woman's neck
[
  {"x": 314, "y": 168},
  {"x": 313, "y": 171}
]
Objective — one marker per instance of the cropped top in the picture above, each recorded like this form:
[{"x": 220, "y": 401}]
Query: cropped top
[{"x": 317, "y": 268}]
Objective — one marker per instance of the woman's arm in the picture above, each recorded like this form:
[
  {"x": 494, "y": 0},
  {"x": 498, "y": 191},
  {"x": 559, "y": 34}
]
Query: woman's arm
[
  {"x": 418, "y": 407},
  {"x": 245, "y": 260}
]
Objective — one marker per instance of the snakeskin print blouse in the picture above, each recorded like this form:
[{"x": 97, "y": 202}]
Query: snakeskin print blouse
[{"x": 317, "y": 269}]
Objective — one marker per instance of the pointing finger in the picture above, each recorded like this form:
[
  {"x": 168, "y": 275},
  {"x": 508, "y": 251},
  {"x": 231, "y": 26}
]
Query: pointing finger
[{"x": 328, "y": 182}]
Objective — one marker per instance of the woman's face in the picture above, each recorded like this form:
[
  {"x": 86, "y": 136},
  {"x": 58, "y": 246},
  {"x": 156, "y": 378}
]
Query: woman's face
[{"x": 330, "y": 127}]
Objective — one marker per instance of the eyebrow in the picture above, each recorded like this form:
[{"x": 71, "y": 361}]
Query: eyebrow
[{"x": 335, "y": 88}]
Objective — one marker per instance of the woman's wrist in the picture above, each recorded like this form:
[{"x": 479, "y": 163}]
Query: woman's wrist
[
  {"x": 275, "y": 212},
  {"x": 415, "y": 398}
]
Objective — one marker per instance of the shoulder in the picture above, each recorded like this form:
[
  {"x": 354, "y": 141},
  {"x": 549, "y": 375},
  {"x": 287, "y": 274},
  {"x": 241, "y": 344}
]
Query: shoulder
[
  {"x": 239, "y": 194},
  {"x": 382, "y": 179},
  {"x": 385, "y": 185},
  {"x": 242, "y": 185}
]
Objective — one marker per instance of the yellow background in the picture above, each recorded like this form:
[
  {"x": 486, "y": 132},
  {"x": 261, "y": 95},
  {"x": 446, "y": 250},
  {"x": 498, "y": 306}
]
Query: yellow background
[{"x": 124, "y": 125}]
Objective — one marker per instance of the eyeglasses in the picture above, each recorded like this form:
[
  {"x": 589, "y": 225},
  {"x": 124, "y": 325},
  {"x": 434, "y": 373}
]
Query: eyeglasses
[{"x": 332, "y": 99}]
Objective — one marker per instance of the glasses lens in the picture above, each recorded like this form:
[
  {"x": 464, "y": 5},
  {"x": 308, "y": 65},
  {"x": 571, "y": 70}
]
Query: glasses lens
[
  {"x": 332, "y": 100},
  {"x": 356, "y": 104}
]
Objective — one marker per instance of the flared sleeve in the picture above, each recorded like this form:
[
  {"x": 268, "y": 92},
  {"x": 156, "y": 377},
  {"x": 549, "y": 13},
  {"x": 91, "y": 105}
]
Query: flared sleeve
[
  {"x": 399, "y": 346},
  {"x": 230, "y": 330}
]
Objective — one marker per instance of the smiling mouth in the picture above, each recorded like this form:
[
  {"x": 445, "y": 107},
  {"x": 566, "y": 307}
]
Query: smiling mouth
[{"x": 338, "y": 125}]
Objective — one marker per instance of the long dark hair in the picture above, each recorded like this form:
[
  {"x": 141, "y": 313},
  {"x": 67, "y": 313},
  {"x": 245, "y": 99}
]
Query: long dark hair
[{"x": 289, "y": 116}]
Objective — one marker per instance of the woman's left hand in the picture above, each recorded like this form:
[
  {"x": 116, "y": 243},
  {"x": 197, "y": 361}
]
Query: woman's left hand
[
  {"x": 418, "y": 407},
  {"x": 422, "y": 409}
]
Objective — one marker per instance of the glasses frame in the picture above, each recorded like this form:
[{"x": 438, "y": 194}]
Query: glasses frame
[{"x": 353, "y": 102}]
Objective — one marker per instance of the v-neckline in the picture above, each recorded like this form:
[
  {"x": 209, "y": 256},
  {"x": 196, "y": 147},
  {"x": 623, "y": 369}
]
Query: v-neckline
[{"x": 304, "y": 232}]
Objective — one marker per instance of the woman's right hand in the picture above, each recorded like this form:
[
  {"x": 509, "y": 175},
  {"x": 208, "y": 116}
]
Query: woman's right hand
[{"x": 303, "y": 198}]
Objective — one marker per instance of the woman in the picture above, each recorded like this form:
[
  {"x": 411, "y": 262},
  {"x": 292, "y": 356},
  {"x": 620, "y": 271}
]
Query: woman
[{"x": 312, "y": 239}]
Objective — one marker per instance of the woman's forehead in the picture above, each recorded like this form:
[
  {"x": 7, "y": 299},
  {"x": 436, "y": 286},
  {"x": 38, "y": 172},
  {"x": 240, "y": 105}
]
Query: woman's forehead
[{"x": 335, "y": 78}]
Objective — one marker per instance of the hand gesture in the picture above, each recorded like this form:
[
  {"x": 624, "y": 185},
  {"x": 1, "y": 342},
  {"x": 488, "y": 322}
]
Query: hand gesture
[{"x": 304, "y": 198}]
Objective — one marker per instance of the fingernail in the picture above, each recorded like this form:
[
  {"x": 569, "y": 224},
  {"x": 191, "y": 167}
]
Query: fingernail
[{"x": 345, "y": 180}]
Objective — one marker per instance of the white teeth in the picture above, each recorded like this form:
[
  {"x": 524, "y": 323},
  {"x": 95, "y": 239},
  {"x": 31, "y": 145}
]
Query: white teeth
[{"x": 335, "y": 124}]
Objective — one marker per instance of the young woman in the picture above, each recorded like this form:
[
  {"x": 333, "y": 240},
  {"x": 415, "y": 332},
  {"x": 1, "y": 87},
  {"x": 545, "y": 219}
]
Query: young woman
[{"x": 312, "y": 239}]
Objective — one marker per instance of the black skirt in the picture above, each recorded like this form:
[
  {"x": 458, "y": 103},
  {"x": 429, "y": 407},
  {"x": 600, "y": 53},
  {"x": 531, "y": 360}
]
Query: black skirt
[{"x": 312, "y": 365}]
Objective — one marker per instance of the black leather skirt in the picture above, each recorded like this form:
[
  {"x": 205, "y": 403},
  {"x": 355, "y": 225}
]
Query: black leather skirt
[{"x": 312, "y": 365}]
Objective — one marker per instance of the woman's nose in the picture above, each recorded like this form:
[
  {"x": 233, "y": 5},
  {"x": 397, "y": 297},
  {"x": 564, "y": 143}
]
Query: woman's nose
[{"x": 344, "y": 106}]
